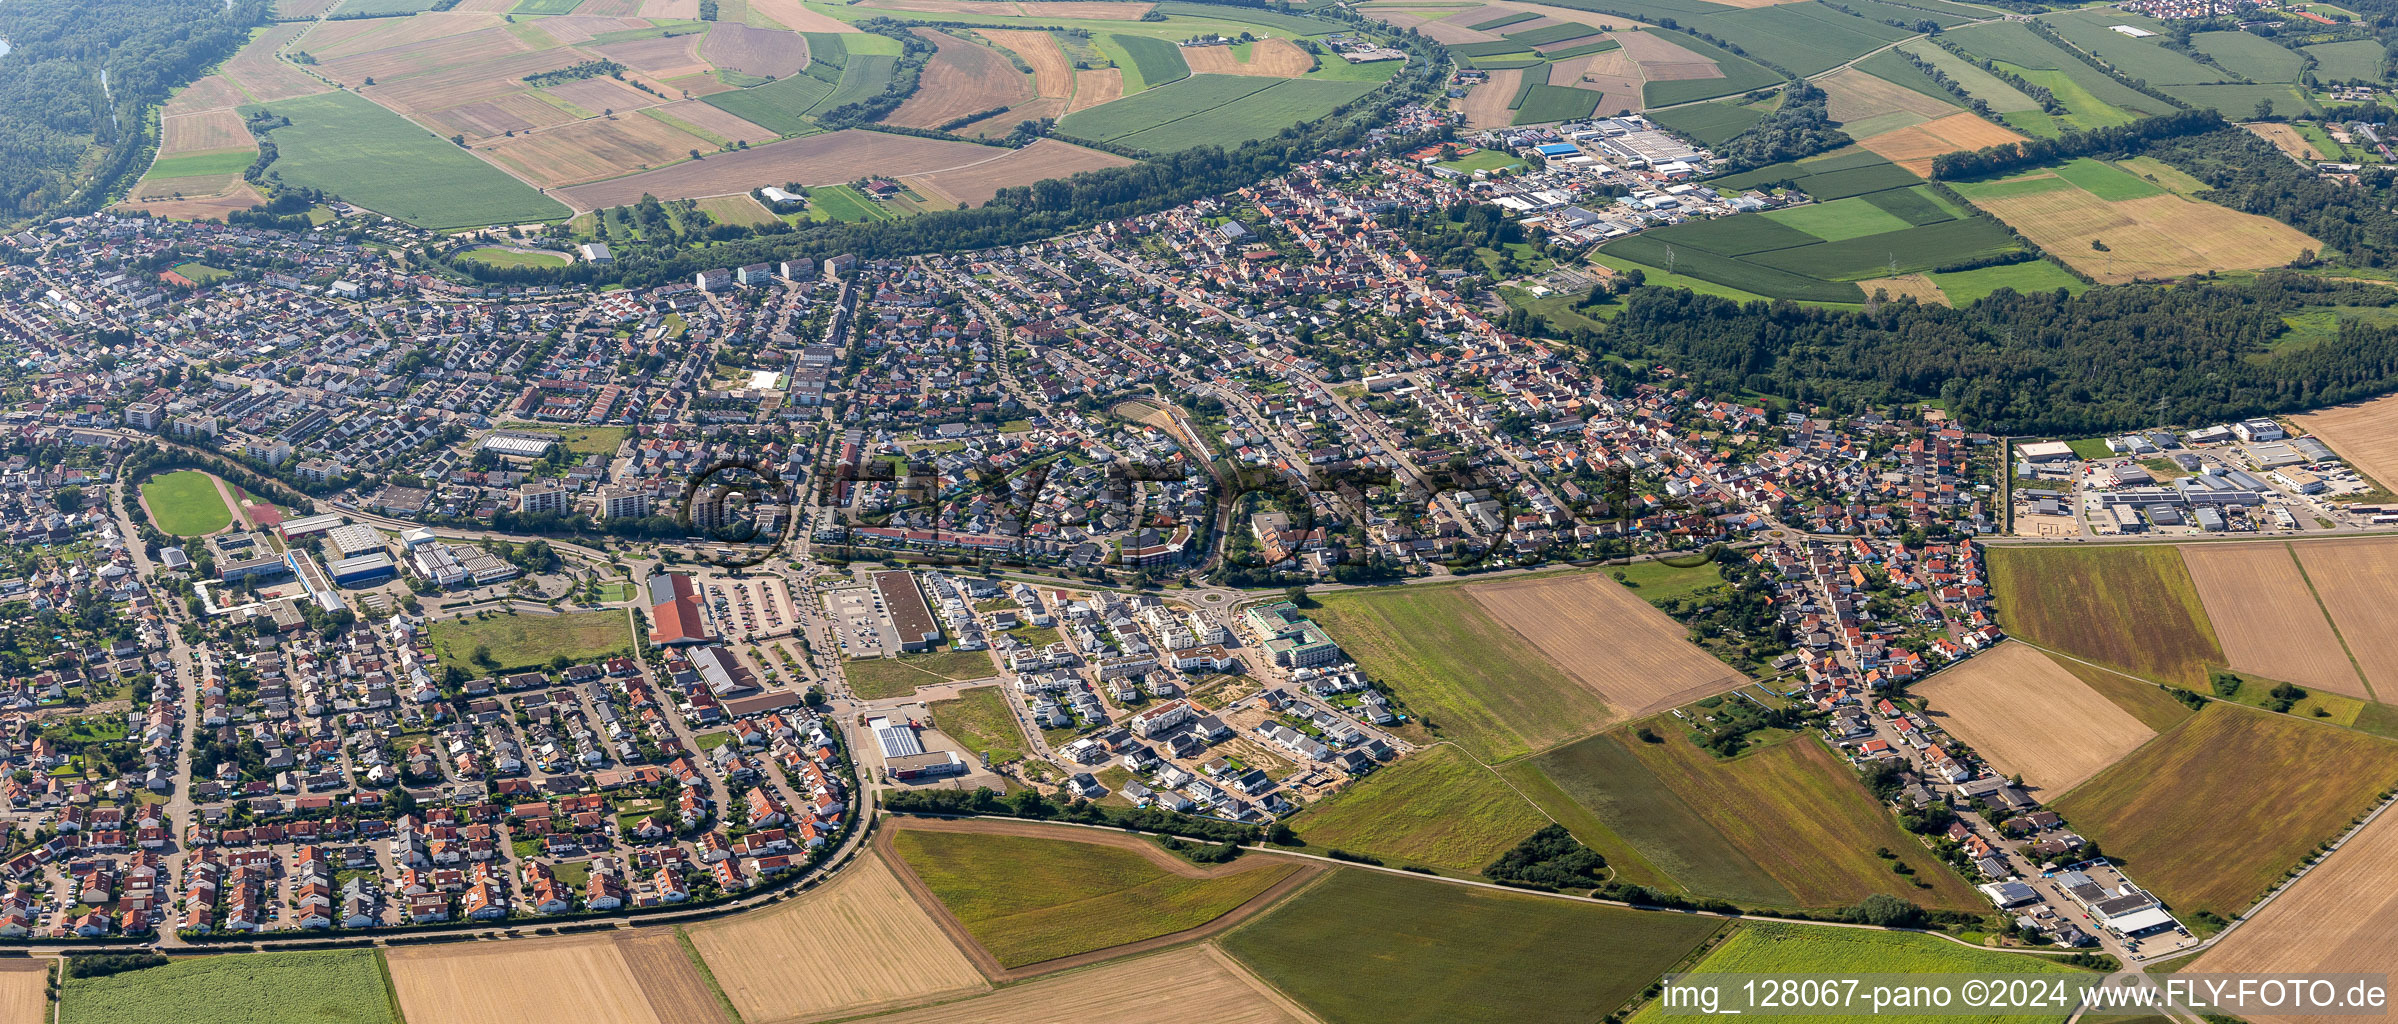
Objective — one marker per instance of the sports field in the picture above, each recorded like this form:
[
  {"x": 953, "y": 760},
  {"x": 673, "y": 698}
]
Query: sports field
[
  {"x": 2268, "y": 616},
  {"x": 2129, "y": 607},
  {"x": 1768, "y": 948},
  {"x": 186, "y": 503},
  {"x": 2031, "y": 718},
  {"x": 1363, "y": 947},
  {"x": 2208, "y": 815},
  {"x": 335, "y": 987},
  {"x": 1435, "y": 808},
  {"x": 853, "y": 945},
  {"x": 1467, "y": 676},
  {"x": 1028, "y": 900},
  {"x": 363, "y": 153},
  {"x": 1783, "y": 824},
  {"x": 528, "y": 641}
]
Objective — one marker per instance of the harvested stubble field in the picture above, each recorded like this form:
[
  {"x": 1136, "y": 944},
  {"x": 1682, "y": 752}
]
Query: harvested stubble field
[
  {"x": 461, "y": 59},
  {"x": 209, "y": 131},
  {"x": 2364, "y": 433},
  {"x": 756, "y": 51},
  {"x": 1269, "y": 57},
  {"x": 517, "y": 112},
  {"x": 1915, "y": 147},
  {"x": 2286, "y": 138},
  {"x": 264, "y": 77},
  {"x": 1092, "y": 88},
  {"x": 1029, "y": 895},
  {"x": 962, "y": 78},
  {"x": 1622, "y": 648},
  {"x": 209, "y": 93},
  {"x": 2153, "y": 238},
  {"x": 1767, "y": 948},
  {"x": 24, "y": 991},
  {"x": 2032, "y": 718},
  {"x": 2209, "y": 815},
  {"x": 596, "y": 96},
  {"x": 583, "y": 979},
  {"x": 1194, "y": 983},
  {"x": 1371, "y": 947},
  {"x": 2127, "y": 607},
  {"x": 852, "y": 945},
  {"x": 1462, "y": 673},
  {"x": 2358, "y": 579},
  {"x": 600, "y": 148},
  {"x": 975, "y": 184},
  {"x": 813, "y": 160},
  {"x": 2267, "y": 616},
  {"x": 2342, "y": 917},
  {"x": 1854, "y": 96},
  {"x": 1485, "y": 105}
]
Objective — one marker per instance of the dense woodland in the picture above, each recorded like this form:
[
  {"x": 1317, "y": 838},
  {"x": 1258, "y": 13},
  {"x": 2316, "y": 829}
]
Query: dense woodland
[
  {"x": 1801, "y": 128},
  {"x": 2045, "y": 362},
  {"x": 54, "y": 107}
]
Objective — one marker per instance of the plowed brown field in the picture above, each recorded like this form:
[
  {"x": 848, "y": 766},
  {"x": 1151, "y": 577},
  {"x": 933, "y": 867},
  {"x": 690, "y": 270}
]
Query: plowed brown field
[
  {"x": 756, "y": 51},
  {"x": 962, "y": 78},
  {"x": 2267, "y": 617},
  {"x": 975, "y": 184},
  {"x": 1616, "y": 645},
  {"x": 265, "y": 77},
  {"x": 589, "y": 150},
  {"x": 2028, "y": 715}
]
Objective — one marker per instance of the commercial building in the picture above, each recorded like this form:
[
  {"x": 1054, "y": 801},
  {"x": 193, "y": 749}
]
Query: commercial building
[
  {"x": 354, "y": 539},
  {"x": 905, "y": 758},
  {"x": 369, "y": 568},
  {"x": 918, "y": 630},
  {"x": 674, "y": 611}
]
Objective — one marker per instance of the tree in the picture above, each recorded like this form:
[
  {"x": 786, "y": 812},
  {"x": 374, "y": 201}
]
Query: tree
[
  {"x": 1886, "y": 911},
  {"x": 482, "y": 656}
]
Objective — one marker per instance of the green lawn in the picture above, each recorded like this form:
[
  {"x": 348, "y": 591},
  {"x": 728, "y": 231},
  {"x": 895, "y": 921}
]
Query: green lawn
[
  {"x": 1483, "y": 160},
  {"x": 494, "y": 256},
  {"x": 1801, "y": 949},
  {"x": 186, "y": 503},
  {"x": 1655, "y": 581},
  {"x": 1031, "y": 900},
  {"x": 348, "y": 146},
  {"x": 1964, "y": 287},
  {"x": 1436, "y": 809},
  {"x": 1466, "y": 676},
  {"x": 843, "y": 203},
  {"x": 201, "y": 273},
  {"x": 874, "y": 678},
  {"x": 335, "y": 987},
  {"x": 1369, "y": 947},
  {"x": 520, "y": 642},
  {"x": 2210, "y": 815},
  {"x": 2129, "y": 607},
  {"x": 980, "y": 719},
  {"x": 192, "y": 165}
]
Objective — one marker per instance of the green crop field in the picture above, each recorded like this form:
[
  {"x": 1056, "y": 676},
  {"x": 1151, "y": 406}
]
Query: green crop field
[
  {"x": 1783, "y": 824},
  {"x": 1492, "y": 48},
  {"x": 1435, "y": 809},
  {"x": 1892, "y": 67},
  {"x": 1904, "y": 251},
  {"x": 2357, "y": 60},
  {"x": 1583, "y": 49},
  {"x": 1964, "y": 287},
  {"x": 350, "y": 147},
  {"x": 1740, "y": 74},
  {"x": 779, "y": 106},
  {"x": 186, "y": 503},
  {"x": 2252, "y": 57},
  {"x": 1946, "y": 15},
  {"x": 864, "y": 77},
  {"x": 1256, "y": 115},
  {"x": 1804, "y": 38},
  {"x": 1474, "y": 680},
  {"x": 1031, "y": 900},
  {"x": 979, "y": 718},
  {"x": 334, "y": 987},
  {"x": 192, "y": 165},
  {"x": 2238, "y": 101},
  {"x": 1752, "y": 278},
  {"x": 2106, "y": 181},
  {"x": 2145, "y": 59},
  {"x": 1503, "y": 21},
  {"x": 1546, "y": 103},
  {"x": 1369, "y": 947},
  {"x": 2210, "y": 815},
  {"x": 843, "y": 203},
  {"x": 1736, "y": 236},
  {"x": 1157, "y": 106},
  {"x": 1710, "y": 123},
  {"x": 1977, "y": 83},
  {"x": 2128, "y": 607},
  {"x": 1854, "y": 217},
  {"x": 1916, "y": 206},
  {"x": 2094, "y": 99},
  {"x": 527, "y": 641},
  {"x": 1772, "y": 948},
  {"x": 539, "y": 7},
  {"x": 1158, "y": 61},
  {"x": 1548, "y": 34}
]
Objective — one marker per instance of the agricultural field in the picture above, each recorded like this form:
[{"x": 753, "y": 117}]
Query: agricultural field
[
  {"x": 1194, "y": 983},
  {"x": 980, "y": 720},
  {"x": 2357, "y": 60},
  {"x": 1965, "y": 287},
  {"x": 528, "y": 641},
  {"x": 1268, "y": 58},
  {"x": 1210, "y": 109},
  {"x": 348, "y": 146},
  {"x": 962, "y": 79},
  {"x": 2268, "y": 618},
  {"x": 1436, "y": 808},
  {"x": 1768, "y": 948},
  {"x": 25, "y": 991},
  {"x": 186, "y": 503},
  {"x": 2031, "y": 718},
  {"x": 598, "y": 148},
  {"x": 2092, "y": 99},
  {"x": 1466, "y": 676},
  {"x": 1369, "y": 947},
  {"x": 1029, "y": 900},
  {"x": 1784, "y": 823},
  {"x": 335, "y": 987},
  {"x": 633, "y": 979},
  {"x": 852, "y": 945},
  {"x": 2209, "y": 815},
  {"x": 2354, "y": 578},
  {"x": 1634, "y": 657},
  {"x": 1712, "y": 124},
  {"x": 2127, "y": 607},
  {"x": 831, "y": 159},
  {"x": 2340, "y": 917},
  {"x": 2364, "y": 433},
  {"x": 740, "y": 209},
  {"x": 1914, "y": 147}
]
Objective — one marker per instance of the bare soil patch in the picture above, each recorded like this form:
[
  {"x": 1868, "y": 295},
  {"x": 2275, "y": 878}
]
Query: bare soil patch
[
  {"x": 716, "y": 120},
  {"x": 975, "y": 184},
  {"x": 2285, "y": 138},
  {"x": 1092, "y": 88},
  {"x": 190, "y": 207},
  {"x": 1268, "y": 58},
  {"x": 1616, "y": 645},
  {"x": 595, "y": 17},
  {"x": 2358, "y": 582},
  {"x": 582, "y": 979},
  {"x": 1052, "y": 73},
  {"x": 520, "y": 112},
  {"x": 794, "y": 15},
  {"x": 24, "y": 991},
  {"x": 1916, "y": 286},
  {"x": 2030, "y": 716},
  {"x": 2364, "y": 433},
  {"x": 962, "y": 78},
  {"x": 1449, "y": 32},
  {"x": 851, "y": 945},
  {"x": 665, "y": 10},
  {"x": 2342, "y": 917},
  {"x": 1485, "y": 105},
  {"x": 211, "y": 93},
  {"x": 662, "y": 57},
  {"x": 599, "y": 95},
  {"x": 756, "y": 51},
  {"x": 1198, "y": 983},
  {"x": 675, "y": 990},
  {"x": 2266, "y": 616}
]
